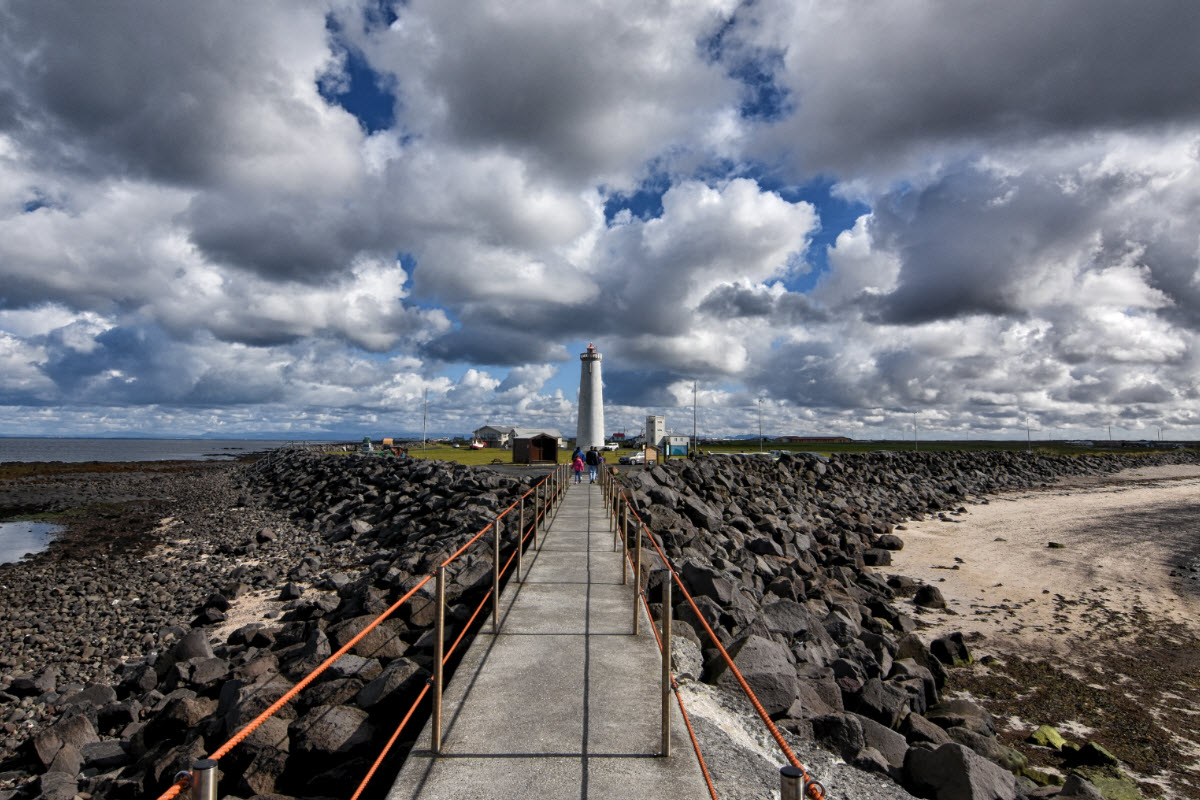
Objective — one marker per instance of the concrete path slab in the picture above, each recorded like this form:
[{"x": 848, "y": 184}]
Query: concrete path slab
[{"x": 563, "y": 703}]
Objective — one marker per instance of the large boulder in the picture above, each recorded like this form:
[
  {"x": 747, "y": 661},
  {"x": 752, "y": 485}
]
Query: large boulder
[
  {"x": 963, "y": 714},
  {"x": 767, "y": 668},
  {"x": 890, "y": 744},
  {"x": 841, "y": 733},
  {"x": 885, "y": 703},
  {"x": 399, "y": 679},
  {"x": 329, "y": 730},
  {"x": 74, "y": 730},
  {"x": 928, "y": 596},
  {"x": 383, "y": 641},
  {"x": 953, "y": 772},
  {"x": 951, "y": 650}
]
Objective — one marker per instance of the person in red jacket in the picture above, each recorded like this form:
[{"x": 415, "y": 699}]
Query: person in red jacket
[{"x": 578, "y": 467}]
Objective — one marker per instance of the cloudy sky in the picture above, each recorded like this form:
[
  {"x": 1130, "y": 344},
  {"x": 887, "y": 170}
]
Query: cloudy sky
[{"x": 233, "y": 217}]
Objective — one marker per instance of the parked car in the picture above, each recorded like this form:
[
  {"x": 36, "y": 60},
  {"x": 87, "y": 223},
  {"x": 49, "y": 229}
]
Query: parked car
[
  {"x": 609, "y": 446},
  {"x": 636, "y": 458}
]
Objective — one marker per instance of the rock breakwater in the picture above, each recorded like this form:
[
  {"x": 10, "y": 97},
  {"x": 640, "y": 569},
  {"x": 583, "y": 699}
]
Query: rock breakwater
[
  {"x": 778, "y": 554},
  {"x": 328, "y": 542},
  {"x": 779, "y": 557}
]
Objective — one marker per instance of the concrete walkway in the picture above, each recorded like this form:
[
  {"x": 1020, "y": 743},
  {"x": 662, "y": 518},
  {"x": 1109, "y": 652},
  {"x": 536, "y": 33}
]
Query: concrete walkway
[{"x": 564, "y": 702}]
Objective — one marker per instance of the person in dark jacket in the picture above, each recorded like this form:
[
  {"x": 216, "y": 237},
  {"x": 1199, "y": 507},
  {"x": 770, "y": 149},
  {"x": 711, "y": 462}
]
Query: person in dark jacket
[{"x": 594, "y": 460}]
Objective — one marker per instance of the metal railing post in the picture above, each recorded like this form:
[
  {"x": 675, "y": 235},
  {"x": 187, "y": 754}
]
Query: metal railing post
[
  {"x": 204, "y": 779},
  {"x": 612, "y": 504},
  {"x": 666, "y": 664},
  {"x": 791, "y": 783},
  {"x": 624, "y": 554},
  {"x": 637, "y": 585},
  {"x": 496, "y": 575},
  {"x": 538, "y": 511},
  {"x": 520, "y": 538},
  {"x": 616, "y": 526},
  {"x": 439, "y": 645}
]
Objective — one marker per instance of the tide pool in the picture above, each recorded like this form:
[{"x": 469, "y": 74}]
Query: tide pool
[{"x": 18, "y": 539}]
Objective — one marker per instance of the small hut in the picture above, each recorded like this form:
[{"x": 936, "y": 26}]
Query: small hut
[{"x": 538, "y": 448}]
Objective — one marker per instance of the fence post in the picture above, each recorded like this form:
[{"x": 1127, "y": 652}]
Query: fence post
[
  {"x": 204, "y": 779},
  {"x": 624, "y": 555},
  {"x": 496, "y": 575},
  {"x": 666, "y": 664},
  {"x": 637, "y": 585},
  {"x": 616, "y": 525},
  {"x": 791, "y": 783},
  {"x": 520, "y": 538},
  {"x": 439, "y": 645},
  {"x": 611, "y": 505}
]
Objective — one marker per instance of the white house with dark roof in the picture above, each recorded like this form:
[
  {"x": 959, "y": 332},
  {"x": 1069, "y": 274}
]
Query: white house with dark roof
[
  {"x": 494, "y": 435},
  {"x": 503, "y": 435}
]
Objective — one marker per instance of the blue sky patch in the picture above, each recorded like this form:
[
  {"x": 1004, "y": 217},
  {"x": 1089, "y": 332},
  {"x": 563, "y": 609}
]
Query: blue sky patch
[
  {"x": 364, "y": 92},
  {"x": 644, "y": 203},
  {"x": 836, "y": 215}
]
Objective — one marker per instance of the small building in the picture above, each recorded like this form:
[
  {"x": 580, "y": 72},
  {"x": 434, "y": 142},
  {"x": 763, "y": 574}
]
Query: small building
[
  {"x": 494, "y": 435},
  {"x": 529, "y": 433},
  {"x": 675, "y": 445},
  {"x": 656, "y": 429},
  {"x": 540, "y": 448}
]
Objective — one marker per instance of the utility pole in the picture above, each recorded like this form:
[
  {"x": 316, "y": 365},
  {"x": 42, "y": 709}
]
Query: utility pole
[
  {"x": 916, "y": 446},
  {"x": 760, "y": 441},
  {"x": 424, "y": 420},
  {"x": 1028, "y": 438},
  {"x": 695, "y": 439}
]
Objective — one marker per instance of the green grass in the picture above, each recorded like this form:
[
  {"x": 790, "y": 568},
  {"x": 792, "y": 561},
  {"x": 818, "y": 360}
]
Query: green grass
[
  {"x": 488, "y": 456},
  {"x": 828, "y": 448}
]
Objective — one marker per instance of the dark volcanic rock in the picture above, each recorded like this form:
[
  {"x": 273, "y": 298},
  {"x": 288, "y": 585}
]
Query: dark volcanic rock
[
  {"x": 952, "y": 772},
  {"x": 779, "y": 555}
]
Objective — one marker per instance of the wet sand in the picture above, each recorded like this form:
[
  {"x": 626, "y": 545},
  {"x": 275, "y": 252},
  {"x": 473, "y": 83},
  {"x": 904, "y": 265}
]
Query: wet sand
[
  {"x": 1095, "y": 633},
  {"x": 1127, "y": 544}
]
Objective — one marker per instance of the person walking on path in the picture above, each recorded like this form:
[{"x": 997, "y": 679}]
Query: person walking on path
[
  {"x": 593, "y": 463},
  {"x": 577, "y": 465}
]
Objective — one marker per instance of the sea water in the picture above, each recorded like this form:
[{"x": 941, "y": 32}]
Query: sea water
[
  {"x": 78, "y": 450},
  {"x": 19, "y": 539}
]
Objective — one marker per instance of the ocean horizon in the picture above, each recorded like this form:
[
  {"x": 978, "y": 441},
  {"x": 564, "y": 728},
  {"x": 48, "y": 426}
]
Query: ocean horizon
[{"x": 81, "y": 449}]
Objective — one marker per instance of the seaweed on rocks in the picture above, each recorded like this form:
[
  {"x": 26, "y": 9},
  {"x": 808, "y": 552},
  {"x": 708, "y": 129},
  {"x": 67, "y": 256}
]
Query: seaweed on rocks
[{"x": 779, "y": 555}]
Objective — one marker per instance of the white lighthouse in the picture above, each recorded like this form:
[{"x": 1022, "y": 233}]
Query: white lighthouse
[{"x": 590, "y": 431}]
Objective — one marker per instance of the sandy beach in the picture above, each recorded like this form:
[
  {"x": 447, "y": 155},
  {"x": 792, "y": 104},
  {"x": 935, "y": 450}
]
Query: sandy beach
[{"x": 1082, "y": 602}]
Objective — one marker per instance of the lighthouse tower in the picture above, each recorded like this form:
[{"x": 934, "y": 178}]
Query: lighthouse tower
[{"x": 590, "y": 431}]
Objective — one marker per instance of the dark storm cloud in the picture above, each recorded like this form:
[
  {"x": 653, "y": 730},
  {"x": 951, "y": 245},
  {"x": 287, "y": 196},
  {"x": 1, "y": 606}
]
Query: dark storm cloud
[
  {"x": 734, "y": 301},
  {"x": 146, "y": 88},
  {"x": 648, "y": 388},
  {"x": 969, "y": 242},
  {"x": 127, "y": 365},
  {"x": 731, "y": 300},
  {"x": 969, "y": 72},
  {"x": 496, "y": 346},
  {"x": 284, "y": 237}
]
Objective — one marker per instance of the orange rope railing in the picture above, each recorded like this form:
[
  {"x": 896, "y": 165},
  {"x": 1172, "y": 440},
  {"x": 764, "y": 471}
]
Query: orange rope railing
[
  {"x": 815, "y": 790},
  {"x": 445, "y": 660},
  {"x": 182, "y": 782},
  {"x": 712, "y": 790}
]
